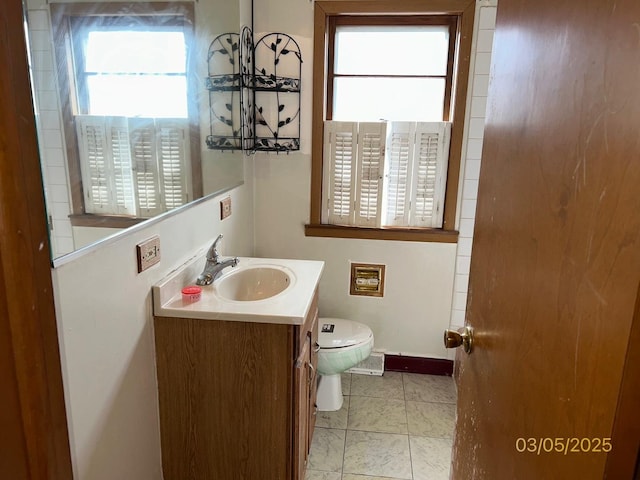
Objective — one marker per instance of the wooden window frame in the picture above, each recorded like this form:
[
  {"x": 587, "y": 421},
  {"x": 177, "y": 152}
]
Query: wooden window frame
[
  {"x": 324, "y": 11},
  {"x": 60, "y": 15}
]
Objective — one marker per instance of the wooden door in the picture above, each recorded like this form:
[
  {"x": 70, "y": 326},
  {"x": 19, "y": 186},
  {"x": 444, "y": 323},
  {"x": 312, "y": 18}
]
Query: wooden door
[
  {"x": 556, "y": 257},
  {"x": 34, "y": 442}
]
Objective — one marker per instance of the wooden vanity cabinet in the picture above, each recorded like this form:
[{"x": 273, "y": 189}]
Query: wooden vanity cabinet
[
  {"x": 306, "y": 387},
  {"x": 237, "y": 399}
]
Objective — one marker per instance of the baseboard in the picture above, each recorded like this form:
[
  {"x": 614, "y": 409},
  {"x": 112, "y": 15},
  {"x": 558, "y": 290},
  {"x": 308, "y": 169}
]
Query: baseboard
[{"x": 430, "y": 366}]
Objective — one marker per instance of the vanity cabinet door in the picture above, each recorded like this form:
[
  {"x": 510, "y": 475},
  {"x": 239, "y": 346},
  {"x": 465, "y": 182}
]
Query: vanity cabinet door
[
  {"x": 305, "y": 387},
  {"x": 313, "y": 383},
  {"x": 225, "y": 392},
  {"x": 301, "y": 410}
]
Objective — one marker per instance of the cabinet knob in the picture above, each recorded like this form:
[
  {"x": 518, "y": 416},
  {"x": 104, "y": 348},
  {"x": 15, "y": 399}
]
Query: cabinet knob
[{"x": 316, "y": 348}]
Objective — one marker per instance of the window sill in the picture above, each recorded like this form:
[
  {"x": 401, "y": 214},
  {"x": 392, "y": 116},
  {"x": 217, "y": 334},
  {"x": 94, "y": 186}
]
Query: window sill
[
  {"x": 390, "y": 233},
  {"x": 105, "y": 221}
]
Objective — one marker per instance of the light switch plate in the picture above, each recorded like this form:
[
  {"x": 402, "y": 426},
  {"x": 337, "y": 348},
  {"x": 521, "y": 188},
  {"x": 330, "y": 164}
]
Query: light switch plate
[
  {"x": 148, "y": 253},
  {"x": 225, "y": 208}
]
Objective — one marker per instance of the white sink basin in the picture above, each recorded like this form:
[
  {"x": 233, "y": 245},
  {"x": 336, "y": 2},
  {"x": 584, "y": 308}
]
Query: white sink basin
[
  {"x": 253, "y": 283},
  {"x": 264, "y": 290}
]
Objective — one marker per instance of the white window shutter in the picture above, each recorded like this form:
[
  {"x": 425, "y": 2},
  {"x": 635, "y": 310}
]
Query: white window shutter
[
  {"x": 398, "y": 169},
  {"x": 173, "y": 151},
  {"x": 124, "y": 195},
  {"x": 92, "y": 141},
  {"x": 105, "y": 165},
  {"x": 146, "y": 173},
  {"x": 369, "y": 174},
  {"x": 429, "y": 174},
  {"x": 376, "y": 175},
  {"x": 133, "y": 166},
  {"x": 339, "y": 163}
]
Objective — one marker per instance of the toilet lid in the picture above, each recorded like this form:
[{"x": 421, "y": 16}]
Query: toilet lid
[{"x": 338, "y": 332}]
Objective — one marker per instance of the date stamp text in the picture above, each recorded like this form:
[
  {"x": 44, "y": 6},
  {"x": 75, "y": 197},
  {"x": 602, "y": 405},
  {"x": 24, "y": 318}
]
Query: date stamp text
[{"x": 563, "y": 445}]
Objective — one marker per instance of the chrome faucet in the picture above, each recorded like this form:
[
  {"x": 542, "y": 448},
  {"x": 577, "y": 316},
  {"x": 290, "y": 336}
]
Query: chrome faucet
[{"x": 214, "y": 266}]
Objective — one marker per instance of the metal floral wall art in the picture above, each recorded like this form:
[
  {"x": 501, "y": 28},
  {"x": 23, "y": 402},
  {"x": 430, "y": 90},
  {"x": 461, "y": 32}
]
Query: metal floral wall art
[{"x": 254, "y": 92}]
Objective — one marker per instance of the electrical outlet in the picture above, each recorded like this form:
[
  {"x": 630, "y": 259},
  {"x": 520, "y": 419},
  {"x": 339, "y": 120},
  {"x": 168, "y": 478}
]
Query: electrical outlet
[
  {"x": 225, "y": 208},
  {"x": 148, "y": 253}
]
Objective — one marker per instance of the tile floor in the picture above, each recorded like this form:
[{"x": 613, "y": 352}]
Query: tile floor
[{"x": 397, "y": 426}]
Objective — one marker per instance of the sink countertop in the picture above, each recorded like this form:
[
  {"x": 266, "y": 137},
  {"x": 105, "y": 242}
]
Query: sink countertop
[{"x": 289, "y": 307}]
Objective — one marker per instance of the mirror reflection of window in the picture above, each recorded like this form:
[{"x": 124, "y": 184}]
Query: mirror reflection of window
[
  {"x": 127, "y": 71},
  {"x": 130, "y": 84},
  {"x": 178, "y": 33},
  {"x": 126, "y": 77}
]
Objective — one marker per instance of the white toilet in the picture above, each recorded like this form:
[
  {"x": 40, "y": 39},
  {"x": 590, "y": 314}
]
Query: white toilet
[{"x": 343, "y": 344}]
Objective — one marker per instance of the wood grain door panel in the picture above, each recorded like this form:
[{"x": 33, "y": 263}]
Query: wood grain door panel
[{"x": 556, "y": 255}]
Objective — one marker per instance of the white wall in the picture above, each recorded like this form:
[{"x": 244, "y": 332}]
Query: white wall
[
  {"x": 479, "y": 74},
  {"x": 419, "y": 277},
  {"x": 419, "y": 296},
  {"x": 105, "y": 320}
]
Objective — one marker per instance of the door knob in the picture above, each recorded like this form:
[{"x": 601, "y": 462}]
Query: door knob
[{"x": 464, "y": 337}]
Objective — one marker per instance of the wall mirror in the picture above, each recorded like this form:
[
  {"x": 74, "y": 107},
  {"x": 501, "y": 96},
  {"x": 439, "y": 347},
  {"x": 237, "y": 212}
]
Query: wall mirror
[{"x": 122, "y": 111}]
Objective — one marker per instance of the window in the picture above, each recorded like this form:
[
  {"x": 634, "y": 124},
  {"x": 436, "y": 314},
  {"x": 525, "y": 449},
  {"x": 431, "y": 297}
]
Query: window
[
  {"x": 389, "y": 103},
  {"x": 123, "y": 69},
  {"x": 393, "y": 68},
  {"x": 131, "y": 124}
]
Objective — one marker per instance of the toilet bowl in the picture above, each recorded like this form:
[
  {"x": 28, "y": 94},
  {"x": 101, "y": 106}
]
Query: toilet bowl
[{"x": 343, "y": 344}]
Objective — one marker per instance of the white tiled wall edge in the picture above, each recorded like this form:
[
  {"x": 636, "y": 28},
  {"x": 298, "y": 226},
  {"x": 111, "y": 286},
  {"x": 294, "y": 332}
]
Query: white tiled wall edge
[
  {"x": 479, "y": 87},
  {"x": 49, "y": 123}
]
